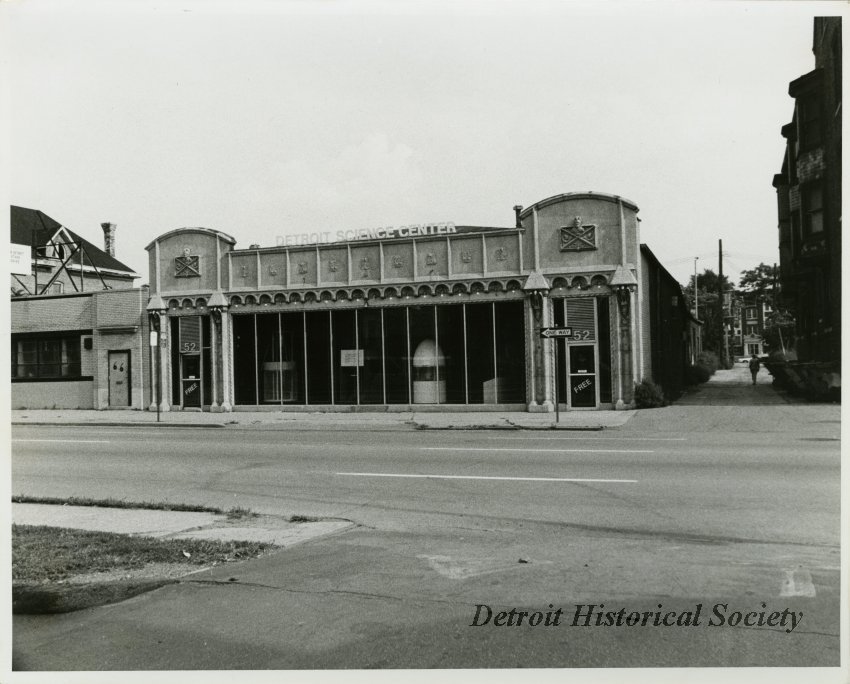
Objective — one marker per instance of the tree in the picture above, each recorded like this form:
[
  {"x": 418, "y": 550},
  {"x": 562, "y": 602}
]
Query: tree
[
  {"x": 761, "y": 284},
  {"x": 760, "y": 280},
  {"x": 708, "y": 283}
]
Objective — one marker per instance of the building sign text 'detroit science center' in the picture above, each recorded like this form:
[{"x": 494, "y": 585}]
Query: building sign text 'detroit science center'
[{"x": 353, "y": 235}]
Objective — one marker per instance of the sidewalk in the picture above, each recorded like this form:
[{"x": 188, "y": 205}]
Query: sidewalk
[
  {"x": 89, "y": 590},
  {"x": 734, "y": 387},
  {"x": 315, "y": 420}
]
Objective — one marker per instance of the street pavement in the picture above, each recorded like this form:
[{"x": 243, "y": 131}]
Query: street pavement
[{"x": 708, "y": 505}]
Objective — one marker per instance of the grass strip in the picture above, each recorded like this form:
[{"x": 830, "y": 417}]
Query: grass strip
[
  {"x": 42, "y": 554},
  {"x": 233, "y": 513}
]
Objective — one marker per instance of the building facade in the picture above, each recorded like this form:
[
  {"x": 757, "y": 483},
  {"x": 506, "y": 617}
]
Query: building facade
[
  {"x": 78, "y": 326},
  {"x": 749, "y": 317},
  {"x": 809, "y": 201},
  {"x": 429, "y": 317}
]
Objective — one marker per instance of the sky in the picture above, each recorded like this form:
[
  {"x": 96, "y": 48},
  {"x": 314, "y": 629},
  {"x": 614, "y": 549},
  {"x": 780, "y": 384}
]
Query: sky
[{"x": 266, "y": 119}]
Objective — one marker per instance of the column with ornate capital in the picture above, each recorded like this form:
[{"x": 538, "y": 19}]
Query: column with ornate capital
[
  {"x": 626, "y": 361},
  {"x": 226, "y": 356},
  {"x": 541, "y": 388},
  {"x": 165, "y": 362}
]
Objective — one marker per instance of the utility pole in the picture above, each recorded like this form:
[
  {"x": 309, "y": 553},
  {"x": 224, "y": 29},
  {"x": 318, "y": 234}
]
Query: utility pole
[
  {"x": 696, "y": 290},
  {"x": 720, "y": 304}
]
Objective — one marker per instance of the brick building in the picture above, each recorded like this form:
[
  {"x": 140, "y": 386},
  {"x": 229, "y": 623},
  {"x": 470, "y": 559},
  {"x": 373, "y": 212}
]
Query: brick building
[
  {"x": 78, "y": 326},
  {"x": 808, "y": 192}
]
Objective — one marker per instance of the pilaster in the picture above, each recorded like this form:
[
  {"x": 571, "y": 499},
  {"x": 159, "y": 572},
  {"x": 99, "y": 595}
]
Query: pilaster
[
  {"x": 165, "y": 343},
  {"x": 226, "y": 354}
]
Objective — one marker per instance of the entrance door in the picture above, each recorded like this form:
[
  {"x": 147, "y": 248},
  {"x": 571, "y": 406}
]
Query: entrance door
[
  {"x": 191, "y": 380},
  {"x": 119, "y": 378},
  {"x": 582, "y": 385}
]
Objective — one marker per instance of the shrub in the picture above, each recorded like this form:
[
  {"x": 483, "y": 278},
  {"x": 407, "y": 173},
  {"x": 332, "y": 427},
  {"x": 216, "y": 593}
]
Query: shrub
[
  {"x": 696, "y": 375},
  {"x": 710, "y": 360},
  {"x": 649, "y": 395}
]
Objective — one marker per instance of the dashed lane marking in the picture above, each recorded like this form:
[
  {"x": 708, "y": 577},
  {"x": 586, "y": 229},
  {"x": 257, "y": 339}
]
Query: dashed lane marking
[
  {"x": 589, "y": 439},
  {"x": 487, "y": 477},
  {"x": 557, "y": 451}
]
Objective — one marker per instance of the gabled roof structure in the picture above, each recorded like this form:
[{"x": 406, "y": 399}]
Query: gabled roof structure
[{"x": 35, "y": 228}]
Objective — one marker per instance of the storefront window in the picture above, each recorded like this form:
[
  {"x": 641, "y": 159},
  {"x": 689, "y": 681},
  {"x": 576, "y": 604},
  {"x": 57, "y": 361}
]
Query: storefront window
[
  {"x": 206, "y": 359},
  {"x": 396, "y": 355},
  {"x": 318, "y": 345},
  {"x": 54, "y": 357},
  {"x": 244, "y": 360},
  {"x": 370, "y": 342},
  {"x": 292, "y": 358},
  {"x": 481, "y": 369},
  {"x": 450, "y": 330},
  {"x": 510, "y": 352},
  {"x": 456, "y": 353},
  {"x": 347, "y": 358},
  {"x": 603, "y": 333},
  {"x": 268, "y": 354},
  {"x": 427, "y": 359}
]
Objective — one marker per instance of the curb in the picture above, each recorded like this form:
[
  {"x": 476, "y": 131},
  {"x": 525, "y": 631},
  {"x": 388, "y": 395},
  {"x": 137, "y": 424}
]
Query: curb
[
  {"x": 295, "y": 426},
  {"x": 115, "y": 424},
  {"x": 29, "y": 599}
]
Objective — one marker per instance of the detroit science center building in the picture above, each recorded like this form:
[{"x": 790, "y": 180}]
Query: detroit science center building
[{"x": 434, "y": 316}]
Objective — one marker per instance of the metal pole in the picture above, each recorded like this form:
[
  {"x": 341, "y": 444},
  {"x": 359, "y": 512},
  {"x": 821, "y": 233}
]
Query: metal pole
[
  {"x": 557, "y": 382},
  {"x": 722, "y": 341},
  {"x": 696, "y": 289},
  {"x": 158, "y": 370}
]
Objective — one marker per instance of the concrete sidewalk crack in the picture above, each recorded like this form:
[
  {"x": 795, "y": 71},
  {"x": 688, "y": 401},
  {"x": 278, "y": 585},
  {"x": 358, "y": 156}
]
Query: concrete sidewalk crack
[{"x": 328, "y": 592}]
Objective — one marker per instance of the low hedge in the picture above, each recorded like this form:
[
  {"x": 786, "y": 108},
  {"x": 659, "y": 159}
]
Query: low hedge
[{"x": 649, "y": 395}]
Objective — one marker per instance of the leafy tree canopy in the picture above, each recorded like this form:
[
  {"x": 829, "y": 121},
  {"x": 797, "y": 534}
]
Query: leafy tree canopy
[
  {"x": 707, "y": 281},
  {"x": 759, "y": 280}
]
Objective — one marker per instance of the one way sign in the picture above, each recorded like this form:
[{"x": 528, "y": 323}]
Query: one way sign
[{"x": 556, "y": 332}]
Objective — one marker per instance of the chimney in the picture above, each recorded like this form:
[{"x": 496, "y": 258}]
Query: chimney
[
  {"x": 518, "y": 211},
  {"x": 109, "y": 238}
]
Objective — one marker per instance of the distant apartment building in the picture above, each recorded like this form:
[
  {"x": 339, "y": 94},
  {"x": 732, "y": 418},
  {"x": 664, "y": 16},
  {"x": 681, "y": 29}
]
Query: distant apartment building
[
  {"x": 808, "y": 191},
  {"x": 78, "y": 326},
  {"x": 748, "y": 317}
]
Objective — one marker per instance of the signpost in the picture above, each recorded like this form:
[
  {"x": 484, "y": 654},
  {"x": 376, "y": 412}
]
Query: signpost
[{"x": 556, "y": 333}]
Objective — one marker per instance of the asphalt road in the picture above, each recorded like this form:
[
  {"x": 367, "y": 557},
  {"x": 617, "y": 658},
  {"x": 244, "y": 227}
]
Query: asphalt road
[{"x": 453, "y": 520}]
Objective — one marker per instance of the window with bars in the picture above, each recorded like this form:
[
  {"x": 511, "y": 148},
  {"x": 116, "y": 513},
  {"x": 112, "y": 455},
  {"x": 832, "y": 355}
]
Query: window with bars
[{"x": 46, "y": 358}]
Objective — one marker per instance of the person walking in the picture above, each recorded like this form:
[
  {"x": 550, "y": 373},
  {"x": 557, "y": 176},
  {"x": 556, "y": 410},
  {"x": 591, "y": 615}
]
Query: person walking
[{"x": 755, "y": 364}]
